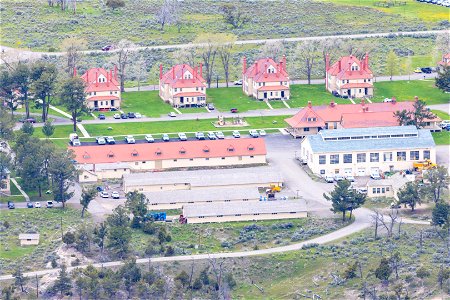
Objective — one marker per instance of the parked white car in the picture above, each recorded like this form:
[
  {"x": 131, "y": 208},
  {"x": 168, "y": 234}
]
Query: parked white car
[
  {"x": 49, "y": 204},
  {"x": 76, "y": 142},
  {"x": 116, "y": 116},
  {"x": 254, "y": 133},
  {"x": 130, "y": 139},
  {"x": 211, "y": 136},
  {"x": 329, "y": 178},
  {"x": 262, "y": 132},
  {"x": 387, "y": 100},
  {"x": 338, "y": 177},
  {"x": 182, "y": 136},
  {"x": 149, "y": 138},
  {"x": 165, "y": 137},
  {"x": 104, "y": 194},
  {"x": 101, "y": 140},
  {"x": 236, "y": 134},
  {"x": 37, "y": 204},
  {"x": 172, "y": 114},
  {"x": 115, "y": 195},
  {"x": 238, "y": 82},
  {"x": 138, "y": 115},
  {"x": 200, "y": 135},
  {"x": 350, "y": 178},
  {"x": 219, "y": 135},
  {"x": 375, "y": 176}
]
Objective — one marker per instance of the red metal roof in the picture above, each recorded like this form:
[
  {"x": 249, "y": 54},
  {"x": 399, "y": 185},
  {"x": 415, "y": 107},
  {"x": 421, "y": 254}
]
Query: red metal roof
[
  {"x": 342, "y": 68},
  {"x": 189, "y": 94},
  {"x": 334, "y": 112},
  {"x": 273, "y": 88},
  {"x": 99, "y": 98},
  {"x": 369, "y": 119},
  {"x": 174, "y": 77},
  {"x": 305, "y": 118},
  {"x": 91, "y": 77},
  {"x": 169, "y": 150},
  {"x": 258, "y": 71},
  {"x": 357, "y": 85}
]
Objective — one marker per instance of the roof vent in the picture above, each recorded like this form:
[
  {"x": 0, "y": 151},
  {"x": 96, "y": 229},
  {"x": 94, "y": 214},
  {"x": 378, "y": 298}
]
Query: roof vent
[
  {"x": 182, "y": 151},
  {"x": 134, "y": 153},
  {"x": 206, "y": 149},
  {"x": 110, "y": 154},
  {"x": 86, "y": 155}
]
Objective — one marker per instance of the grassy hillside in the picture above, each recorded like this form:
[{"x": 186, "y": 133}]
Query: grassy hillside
[{"x": 35, "y": 24}]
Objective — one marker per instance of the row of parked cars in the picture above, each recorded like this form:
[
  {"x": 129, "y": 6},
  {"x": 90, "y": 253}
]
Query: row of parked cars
[
  {"x": 218, "y": 135},
  {"x": 30, "y": 204},
  {"x": 427, "y": 70},
  {"x": 338, "y": 177}
]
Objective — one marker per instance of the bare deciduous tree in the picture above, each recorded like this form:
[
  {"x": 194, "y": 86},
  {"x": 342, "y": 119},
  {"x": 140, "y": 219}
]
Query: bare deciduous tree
[
  {"x": 73, "y": 47},
  {"x": 307, "y": 53},
  {"x": 169, "y": 13},
  {"x": 208, "y": 53},
  {"x": 274, "y": 50},
  {"x": 122, "y": 59},
  {"x": 226, "y": 44}
]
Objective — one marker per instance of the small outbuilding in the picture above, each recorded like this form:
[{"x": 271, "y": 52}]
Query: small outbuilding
[
  {"x": 244, "y": 211},
  {"x": 27, "y": 239}
]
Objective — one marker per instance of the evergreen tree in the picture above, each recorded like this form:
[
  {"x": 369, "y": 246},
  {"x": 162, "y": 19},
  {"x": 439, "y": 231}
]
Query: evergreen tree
[
  {"x": 441, "y": 214},
  {"x": 73, "y": 97},
  {"x": 48, "y": 129},
  {"x": 409, "y": 195},
  {"x": 443, "y": 79},
  {"x": 27, "y": 128},
  {"x": 384, "y": 270},
  {"x": 119, "y": 234},
  {"x": 19, "y": 279},
  {"x": 63, "y": 283},
  {"x": 86, "y": 197},
  {"x": 344, "y": 199}
]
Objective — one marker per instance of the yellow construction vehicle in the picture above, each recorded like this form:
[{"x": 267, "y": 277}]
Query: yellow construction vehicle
[
  {"x": 273, "y": 188},
  {"x": 424, "y": 165}
]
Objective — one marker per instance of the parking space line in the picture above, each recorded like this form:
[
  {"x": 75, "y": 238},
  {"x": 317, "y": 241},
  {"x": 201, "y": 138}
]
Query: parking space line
[
  {"x": 268, "y": 104},
  {"x": 285, "y": 104},
  {"x": 176, "y": 109}
]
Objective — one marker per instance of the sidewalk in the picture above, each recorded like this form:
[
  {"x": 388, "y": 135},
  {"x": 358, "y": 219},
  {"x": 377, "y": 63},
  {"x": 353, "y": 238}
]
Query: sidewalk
[{"x": 20, "y": 189}]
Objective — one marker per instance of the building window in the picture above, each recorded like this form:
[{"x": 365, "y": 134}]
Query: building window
[
  {"x": 334, "y": 159},
  {"x": 361, "y": 157},
  {"x": 426, "y": 154},
  {"x": 347, "y": 158},
  {"x": 207, "y": 158},
  {"x": 374, "y": 157},
  {"x": 223, "y": 157},
  {"x": 175, "y": 160},
  {"x": 387, "y": 156},
  {"x": 322, "y": 159},
  {"x": 191, "y": 159},
  {"x": 414, "y": 155},
  {"x": 251, "y": 156},
  {"x": 401, "y": 156},
  {"x": 306, "y": 129}
]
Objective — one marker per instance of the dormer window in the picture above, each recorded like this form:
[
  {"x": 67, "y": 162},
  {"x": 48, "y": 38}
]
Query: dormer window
[
  {"x": 312, "y": 119},
  {"x": 158, "y": 152},
  {"x": 182, "y": 151},
  {"x": 230, "y": 148},
  {"x": 251, "y": 147},
  {"x": 111, "y": 154},
  {"x": 86, "y": 155},
  {"x": 206, "y": 149},
  {"x": 134, "y": 153}
]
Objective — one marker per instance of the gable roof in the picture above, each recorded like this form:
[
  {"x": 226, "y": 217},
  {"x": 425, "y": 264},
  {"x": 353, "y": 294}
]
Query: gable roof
[
  {"x": 91, "y": 77},
  {"x": 174, "y": 77},
  {"x": 301, "y": 118},
  {"x": 172, "y": 150},
  {"x": 258, "y": 72},
  {"x": 445, "y": 60},
  {"x": 342, "y": 68},
  {"x": 354, "y": 115}
]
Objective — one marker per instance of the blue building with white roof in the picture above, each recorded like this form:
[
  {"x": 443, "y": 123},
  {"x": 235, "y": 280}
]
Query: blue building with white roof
[{"x": 365, "y": 151}]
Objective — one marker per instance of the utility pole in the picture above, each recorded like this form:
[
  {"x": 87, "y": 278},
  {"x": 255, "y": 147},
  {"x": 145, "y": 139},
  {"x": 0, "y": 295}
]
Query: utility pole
[{"x": 37, "y": 287}]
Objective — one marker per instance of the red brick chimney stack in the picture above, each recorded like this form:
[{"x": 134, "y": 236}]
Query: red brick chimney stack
[
  {"x": 244, "y": 65},
  {"x": 75, "y": 72},
  {"x": 160, "y": 71},
  {"x": 309, "y": 104},
  {"x": 327, "y": 62},
  {"x": 96, "y": 78}
]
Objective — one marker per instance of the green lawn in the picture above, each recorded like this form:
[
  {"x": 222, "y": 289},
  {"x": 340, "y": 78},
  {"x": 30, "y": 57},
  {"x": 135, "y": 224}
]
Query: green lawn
[
  {"x": 226, "y": 98},
  {"x": 147, "y": 103},
  {"x": 441, "y": 114},
  {"x": 441, "y": 138},
  {"x": 60, "y": 131},
  {"x": 406, "y": 90},
  {"x": 179, "y": 125},
  {"x": 316, "y": 93},
  {"x": 412, "y": 9}
]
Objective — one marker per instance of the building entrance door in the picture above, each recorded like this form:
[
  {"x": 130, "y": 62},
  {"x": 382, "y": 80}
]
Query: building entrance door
[
  {"x": 265, "y": 95},
  {"x": 282, "y": 94}
]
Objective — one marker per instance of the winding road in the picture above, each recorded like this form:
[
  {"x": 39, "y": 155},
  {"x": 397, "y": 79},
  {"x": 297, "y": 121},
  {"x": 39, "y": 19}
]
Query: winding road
[{"x": 21, "y": 54}]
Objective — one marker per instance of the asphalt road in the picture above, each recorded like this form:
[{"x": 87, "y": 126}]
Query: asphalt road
[{"x": 21, "y": 54}]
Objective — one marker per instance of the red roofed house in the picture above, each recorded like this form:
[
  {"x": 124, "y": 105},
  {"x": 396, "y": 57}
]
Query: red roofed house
[
  {"x": 183, "y": 86},
  {"x": 266, "y": 79},
  {"x": 102, "y": 89},
  {"x": 349, "y": 77},
  {"x": 100, "y": 162},
  {"x": 444, "y": 62},
  {"x": 312, "y": 119}
]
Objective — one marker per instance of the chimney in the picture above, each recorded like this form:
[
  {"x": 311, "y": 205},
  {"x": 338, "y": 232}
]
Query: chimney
[
  {"x": 201, "y": 70},
  {"x": 350, "y": 67},
  {"x": 327, "y": 62},
  {"x": 309, "y": 104},
  {"x": 339, "y": 65},
  {"x": 278, "y": 70},
  {"x": 160, "y": 71},
  {"x": 265, "y": 70},
  {"x": 366, "y": 61},
  {"x": 96, "y": 78},
  {"x": 256, "y": 68},
  {"x": 75, "y": 72},
  {"x": 332, "y": 104},
  {"x": 107, "y": 79},
  {"x": 182, "y": 72},
  {"x": 244, "y": 65},
  {"x": 87, "y": 77}
]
